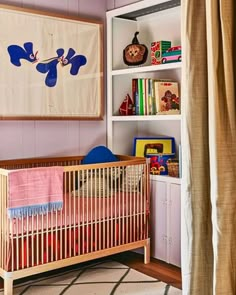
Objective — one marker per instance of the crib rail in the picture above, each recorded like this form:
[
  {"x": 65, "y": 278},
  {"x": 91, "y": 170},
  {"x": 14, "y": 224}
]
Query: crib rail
[
  {"x": 105, "y": 206},
  {"x": 40, "y": 162}
]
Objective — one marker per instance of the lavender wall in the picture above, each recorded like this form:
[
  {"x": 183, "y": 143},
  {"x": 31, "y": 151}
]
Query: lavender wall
[
  {"x": 111, "y": 4},
  {"x": 22, "y": 139}
]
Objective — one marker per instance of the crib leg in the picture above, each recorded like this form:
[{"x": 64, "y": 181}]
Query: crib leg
[
  {"x": 147, "y": 252},
  {"x": 8, "y": 286}
]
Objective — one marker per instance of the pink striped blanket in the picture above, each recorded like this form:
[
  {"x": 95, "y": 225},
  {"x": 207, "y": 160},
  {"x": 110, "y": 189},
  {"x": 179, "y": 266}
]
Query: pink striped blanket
[{"x": 35, "y": 191}]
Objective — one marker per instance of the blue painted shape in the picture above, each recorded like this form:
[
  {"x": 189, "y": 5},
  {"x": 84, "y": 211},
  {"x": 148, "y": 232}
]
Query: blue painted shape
[
  {"x": 50, "y": 67},
  {"x": 51, "y": 70},
  {"x": 76, "y": 61},
  {"x": 17, "y": 53}
]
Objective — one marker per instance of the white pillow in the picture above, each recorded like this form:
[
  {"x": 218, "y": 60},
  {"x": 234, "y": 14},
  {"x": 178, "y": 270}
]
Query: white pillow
[
  {"x": 133, "y": 177},
  {"x": 95, "y": 186}
]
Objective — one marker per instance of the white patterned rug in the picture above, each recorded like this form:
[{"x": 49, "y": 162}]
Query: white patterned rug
[{"x": 102, "y": 278}]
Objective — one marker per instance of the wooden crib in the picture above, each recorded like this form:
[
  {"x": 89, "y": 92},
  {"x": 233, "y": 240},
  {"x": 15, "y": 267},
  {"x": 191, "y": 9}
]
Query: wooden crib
[{"x": 105, "y": 211}]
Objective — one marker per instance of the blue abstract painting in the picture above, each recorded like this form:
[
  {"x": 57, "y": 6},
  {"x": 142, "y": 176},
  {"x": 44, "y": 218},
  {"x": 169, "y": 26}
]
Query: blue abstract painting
[
  {"x": 47, "y": 66},
  {"x": 51, "y": 66}
]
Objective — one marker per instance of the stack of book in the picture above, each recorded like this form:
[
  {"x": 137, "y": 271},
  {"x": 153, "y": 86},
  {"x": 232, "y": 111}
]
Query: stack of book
[{"x": 152, "y": 97}]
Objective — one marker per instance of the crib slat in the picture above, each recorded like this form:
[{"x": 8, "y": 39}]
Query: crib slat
[
  {"x": 103, "y": 211},
  {"x": 79, "y": 210},
  {"x": 22, "y": 252},
  {"x": 47, "y": 235},
  {"x": 60, "y": 229},
  {"x": 56, "y": 235},
  {"x": 91, "y": 216},
  {"x": 16, "y": 257},
  {"x": 131, "y": 197},
  {"x": 69, "y": 217},
  {"x": 73, "y": 213},
  {"x": 100, "y": 214},
  {"x": 32, "y": 241},
  {"x": 89, "y": 188},
  {"x": 142, "y": 208},
  {"x": 41, "y": 240},
  {"x": 83, "y": 218},
  {"x": 37, "y": 239},
  {"x": 95, "y": 218},
  {"x": 107, "y": 175},
  {"x": 65, "y": 218},
  {"x": 26, "y": 237}
]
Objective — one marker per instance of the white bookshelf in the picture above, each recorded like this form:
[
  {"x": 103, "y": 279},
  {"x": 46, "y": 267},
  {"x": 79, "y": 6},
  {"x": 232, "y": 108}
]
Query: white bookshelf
[
  {"x": 155, "y": 20},
  {"x": 149, "y": 17}
]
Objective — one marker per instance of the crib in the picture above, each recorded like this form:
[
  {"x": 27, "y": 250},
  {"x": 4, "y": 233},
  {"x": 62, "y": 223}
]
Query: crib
[{"x": 105, "y": 211}]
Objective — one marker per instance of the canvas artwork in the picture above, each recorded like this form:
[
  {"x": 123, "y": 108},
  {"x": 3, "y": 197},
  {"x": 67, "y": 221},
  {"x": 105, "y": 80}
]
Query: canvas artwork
[{"x": 51, "y": 66}]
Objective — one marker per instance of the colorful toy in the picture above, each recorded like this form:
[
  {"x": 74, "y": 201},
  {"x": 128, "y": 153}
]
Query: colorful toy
[
  {"x": 127, "y": 106},
  {"x": 158, "y": 163},
  {"x": 157, "y": 49},
  {"x": 135, "y": 54},
  {"x": 173, "y": 54}
]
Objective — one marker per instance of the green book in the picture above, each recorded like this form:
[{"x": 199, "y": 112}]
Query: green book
[{"x": 140, "y": 95}]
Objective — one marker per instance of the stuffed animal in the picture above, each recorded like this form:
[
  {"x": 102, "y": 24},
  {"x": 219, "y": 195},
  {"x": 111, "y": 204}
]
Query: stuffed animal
[
  {"x": 135, "y": 54},
  {"x": 127, "y": 106}
]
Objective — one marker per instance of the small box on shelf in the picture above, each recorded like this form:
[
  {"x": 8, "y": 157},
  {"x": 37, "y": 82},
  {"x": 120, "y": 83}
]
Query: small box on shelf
[
  {"x": 157, "y": 49},
  {"x": 173, "y": 54},
  {"x": 158, "y": 163},
  {"x": 173, "y": 167}
]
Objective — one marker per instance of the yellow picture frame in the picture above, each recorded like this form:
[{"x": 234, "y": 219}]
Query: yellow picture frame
[{"x": 144, "y": 146}]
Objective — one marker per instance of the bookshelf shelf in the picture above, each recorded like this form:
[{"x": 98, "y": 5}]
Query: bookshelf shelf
[
  {"x": 147, "y": 118},
  {"x": 145, "y": 69},
  {"x": 169, "y": 179}
]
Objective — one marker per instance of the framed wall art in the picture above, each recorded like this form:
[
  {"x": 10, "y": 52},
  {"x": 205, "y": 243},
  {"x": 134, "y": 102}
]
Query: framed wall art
[
  {"x": 158, "y": 149},
  {"x": 147, "y": 146},
  {"x": 51, "y": 66}
]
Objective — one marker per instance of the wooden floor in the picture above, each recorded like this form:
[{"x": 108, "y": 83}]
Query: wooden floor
[{"x": 165, "y": 272}]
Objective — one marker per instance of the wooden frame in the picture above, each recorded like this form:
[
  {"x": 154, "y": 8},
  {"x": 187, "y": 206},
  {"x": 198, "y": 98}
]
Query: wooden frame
[{"x": 51, "y": 66}]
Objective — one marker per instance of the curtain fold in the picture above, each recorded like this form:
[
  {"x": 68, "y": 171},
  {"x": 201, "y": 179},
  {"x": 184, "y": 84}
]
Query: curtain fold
[{"x": 209, "y": 147}]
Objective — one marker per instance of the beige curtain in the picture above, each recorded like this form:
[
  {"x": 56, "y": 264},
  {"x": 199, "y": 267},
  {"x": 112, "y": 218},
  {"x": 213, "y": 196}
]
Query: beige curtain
[{"x": 209, "y": 147}]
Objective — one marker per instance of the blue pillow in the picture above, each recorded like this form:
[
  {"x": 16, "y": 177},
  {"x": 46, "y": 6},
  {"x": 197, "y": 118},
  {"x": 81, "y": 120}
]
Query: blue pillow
[{"x": 99, "y": 154}]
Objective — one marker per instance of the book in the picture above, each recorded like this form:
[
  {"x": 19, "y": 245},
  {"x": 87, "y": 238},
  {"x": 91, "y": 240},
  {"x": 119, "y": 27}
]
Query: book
[
  {"x": 151, "y": 97},
  {"x": 157, "y": 49},
  {"x": 145, "y": 96},
  {"x": 140, "y": 96},
  {"x": 135, "y": 97},
  {"x": 167, "y": 97}
]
